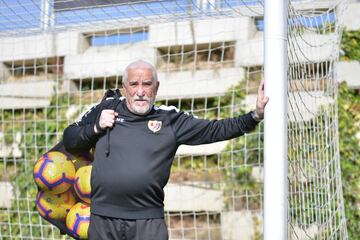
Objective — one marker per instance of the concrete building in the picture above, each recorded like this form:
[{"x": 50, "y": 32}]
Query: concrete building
[{"x": 69, "y": 56}]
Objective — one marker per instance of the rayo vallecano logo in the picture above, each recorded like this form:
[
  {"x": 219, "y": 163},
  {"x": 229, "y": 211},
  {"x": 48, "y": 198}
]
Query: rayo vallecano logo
[{"x": 154, "y": 125}]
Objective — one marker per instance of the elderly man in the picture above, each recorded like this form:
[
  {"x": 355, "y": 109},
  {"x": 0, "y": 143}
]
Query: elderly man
[{"x": 127, "y": 183}]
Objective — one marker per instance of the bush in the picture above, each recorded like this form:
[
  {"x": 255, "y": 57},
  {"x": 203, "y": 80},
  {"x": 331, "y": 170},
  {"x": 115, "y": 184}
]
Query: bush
[{"x": 349, "y": 141}]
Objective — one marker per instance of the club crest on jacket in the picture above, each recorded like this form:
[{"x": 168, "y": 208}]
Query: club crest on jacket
[{"x": 154, "y": 125}]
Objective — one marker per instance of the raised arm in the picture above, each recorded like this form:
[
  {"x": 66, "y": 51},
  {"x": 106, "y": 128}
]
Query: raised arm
[{"x": 192, "y": 131}]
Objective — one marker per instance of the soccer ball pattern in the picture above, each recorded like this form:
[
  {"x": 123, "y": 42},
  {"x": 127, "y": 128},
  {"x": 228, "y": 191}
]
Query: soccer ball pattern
[
  {"x": 82, "y": 183},
  {"x": 55, "y": 206},
  {"x": 78, "y": 220},
  {"x": 53, "y": 172}
]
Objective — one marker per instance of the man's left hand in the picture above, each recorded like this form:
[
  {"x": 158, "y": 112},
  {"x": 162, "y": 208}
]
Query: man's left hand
[{"x": 261, "y": 102}]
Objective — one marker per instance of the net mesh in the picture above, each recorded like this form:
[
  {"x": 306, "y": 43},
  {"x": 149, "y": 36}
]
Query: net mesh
[
  {"x": 315, "y": 190},
  {"x": 57, "y": 60}
]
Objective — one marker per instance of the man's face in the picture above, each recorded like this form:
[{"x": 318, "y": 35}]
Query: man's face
[{"x": 140, "y": 90}]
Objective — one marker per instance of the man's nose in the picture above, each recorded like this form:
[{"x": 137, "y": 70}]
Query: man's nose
[{"x": 140, "y": 91}]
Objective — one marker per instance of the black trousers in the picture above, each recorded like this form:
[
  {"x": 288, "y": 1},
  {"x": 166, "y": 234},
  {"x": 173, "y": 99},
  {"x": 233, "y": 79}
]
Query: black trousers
[{"x": 106, "y": 228}]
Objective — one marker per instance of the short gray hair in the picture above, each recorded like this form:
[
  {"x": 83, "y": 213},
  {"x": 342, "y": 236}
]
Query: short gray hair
[{"x": 139, "y": 64}]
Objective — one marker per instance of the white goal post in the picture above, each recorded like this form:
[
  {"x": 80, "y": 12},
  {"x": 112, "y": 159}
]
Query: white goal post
[{"x": 275, "y": 126}]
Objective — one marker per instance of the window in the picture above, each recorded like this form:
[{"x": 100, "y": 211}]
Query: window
[
  {"x": 309, "y": 76},
  {"x": 116, "y": 37},
  {"x": 199, "y": 56},
  {"x": 35, "y": 67},
  {"x": 309, "y": 71},
  {"x": 321, "y": 21},
  {"x": 259, "y": 23},
  {"x": 255, "y": 73},
  {"x": 253, "y": 76},
  {"x": 98, "y": 83}
]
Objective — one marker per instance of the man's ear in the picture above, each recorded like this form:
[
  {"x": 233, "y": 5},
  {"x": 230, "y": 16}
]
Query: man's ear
[
  {"x": 157, "y": 86},
  {"x": 123, "y": 84}
]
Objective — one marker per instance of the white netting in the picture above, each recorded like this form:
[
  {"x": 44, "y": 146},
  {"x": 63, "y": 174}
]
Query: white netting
[
  {"x": 315, "y": 189},
  {"x": 55, "y": 64}
]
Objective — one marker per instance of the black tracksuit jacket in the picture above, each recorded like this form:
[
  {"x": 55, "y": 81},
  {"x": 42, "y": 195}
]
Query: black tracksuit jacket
[{"x": 129, "y": 182}]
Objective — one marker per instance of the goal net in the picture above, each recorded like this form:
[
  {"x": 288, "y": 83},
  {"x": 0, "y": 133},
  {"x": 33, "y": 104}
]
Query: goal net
[
  {"x": 57, "y": 58},
  {"x": 316, "y": 209}
]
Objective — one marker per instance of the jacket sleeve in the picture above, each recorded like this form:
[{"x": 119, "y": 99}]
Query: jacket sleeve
[
  {"x": 192, "y": 131},
  {"x": 80, "y": 136}
]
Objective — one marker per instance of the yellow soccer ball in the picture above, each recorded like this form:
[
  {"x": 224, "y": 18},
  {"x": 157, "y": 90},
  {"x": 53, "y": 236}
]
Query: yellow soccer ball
[
  {"x": 54, "y": 172},
  {"x": 82, "y": 183},
  {"x": 55, "y": 206},
  {"x": 78, "y": 219},
  {"x": 81, "y": 161}
]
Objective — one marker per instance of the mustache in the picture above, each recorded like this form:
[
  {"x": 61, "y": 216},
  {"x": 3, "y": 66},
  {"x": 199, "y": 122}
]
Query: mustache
[{"x": 144, "y": 98}]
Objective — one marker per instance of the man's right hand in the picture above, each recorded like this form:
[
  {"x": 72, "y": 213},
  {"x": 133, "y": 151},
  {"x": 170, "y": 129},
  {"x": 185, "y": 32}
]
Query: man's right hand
[{"x": 107, "y": 119}]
